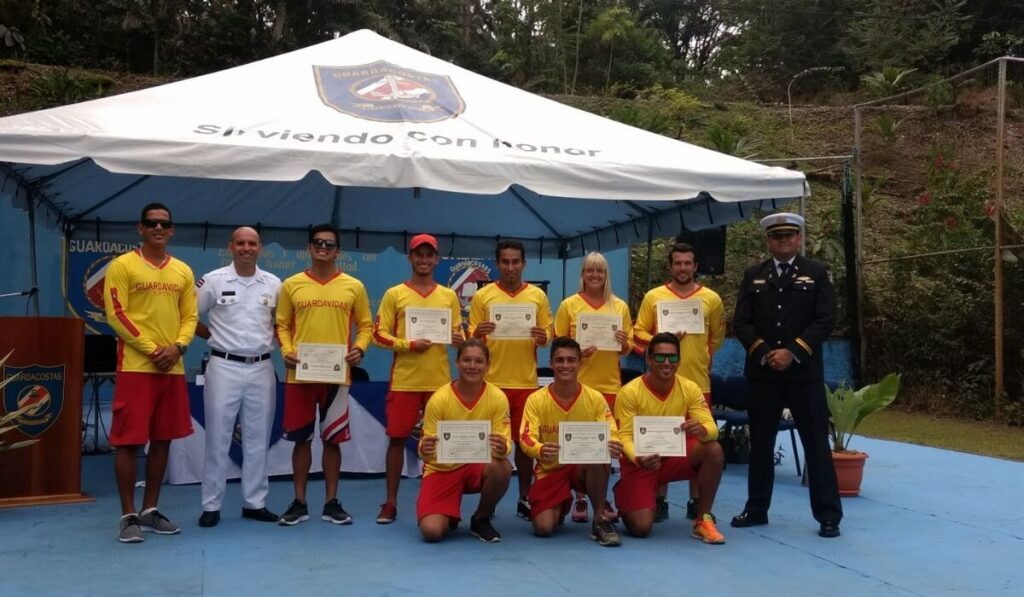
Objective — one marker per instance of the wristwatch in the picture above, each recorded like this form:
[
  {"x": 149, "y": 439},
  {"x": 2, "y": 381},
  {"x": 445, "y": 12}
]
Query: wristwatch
[{"x": 181, "y": 348}]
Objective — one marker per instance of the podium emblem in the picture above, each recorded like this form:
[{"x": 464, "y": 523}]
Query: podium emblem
[{"x": 35, "y": 384}]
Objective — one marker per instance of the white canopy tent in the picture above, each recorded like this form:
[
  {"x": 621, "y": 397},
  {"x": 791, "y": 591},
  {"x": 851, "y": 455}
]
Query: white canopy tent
[{"x": 381, "y": 140}]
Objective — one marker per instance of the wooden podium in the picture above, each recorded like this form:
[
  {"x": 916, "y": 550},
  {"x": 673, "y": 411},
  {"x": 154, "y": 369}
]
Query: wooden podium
[{"x": 48, "y": 360}]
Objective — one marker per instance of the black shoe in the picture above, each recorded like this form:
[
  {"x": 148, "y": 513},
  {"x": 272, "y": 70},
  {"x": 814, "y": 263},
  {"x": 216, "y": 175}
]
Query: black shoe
[
  {"x": 260, "y": 514},
  {"x": 660, "y": 509},
  {"x": 829, "y": 529},
  {"x": 749, "y": 519},
  {"x": 482, "y": 529},
  {"x": 335, "y": 514},
  {"x": 297, "y": 512},
  {"x": 209, "y": 518},
  {"x": 523, "y": 509}
]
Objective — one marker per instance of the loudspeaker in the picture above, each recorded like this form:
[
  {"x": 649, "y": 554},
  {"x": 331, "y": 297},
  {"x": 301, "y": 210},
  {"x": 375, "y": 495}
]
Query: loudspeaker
[
  {"x": 710, "y": 247},
  {"x": 100, "y": 354}
]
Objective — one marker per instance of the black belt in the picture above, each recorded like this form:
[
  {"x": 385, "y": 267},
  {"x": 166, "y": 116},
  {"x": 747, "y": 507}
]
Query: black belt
[{"x": 240, "y": 359}]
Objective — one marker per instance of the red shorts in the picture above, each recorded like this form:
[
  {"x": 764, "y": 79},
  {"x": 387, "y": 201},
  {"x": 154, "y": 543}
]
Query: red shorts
[
  {"x": 149, "y": 406},
  {"x": 441, "y": 492},
  {"x": 637, "y": 486},
  {"x": 301, "y": 402},
  {"x": 553, "y": 490},
  {"x": 403, "y": 410},
  {"x": 610, "y": 399},
  {"x": 516, "y": 406}
]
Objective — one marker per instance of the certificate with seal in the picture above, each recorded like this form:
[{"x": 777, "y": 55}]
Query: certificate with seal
[
  {"x": 582, "y": 442},
  {"x": 681, "y": 316},
  {"x": 463, "y": 442},
  {"x": 594, "y": 329},
  {"x": 322, "y": 362},
  {"x": 429, "y": 324},
  {"x": 513, "y": 321},
  {"x": 659, "y": 435}
]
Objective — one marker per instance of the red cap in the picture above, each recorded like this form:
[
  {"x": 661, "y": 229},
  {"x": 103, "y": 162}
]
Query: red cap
[{"x": 422, "y": 239}]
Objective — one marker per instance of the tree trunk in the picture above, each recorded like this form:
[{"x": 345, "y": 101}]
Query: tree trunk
[
  {"x": 608, "y": 75},
  {"x": 281, "y": 15},
  {"x": 576, "y": 69}
]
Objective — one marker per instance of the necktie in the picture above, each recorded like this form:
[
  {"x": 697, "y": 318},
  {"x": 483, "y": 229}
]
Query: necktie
[{"x": 783, "y": 269}]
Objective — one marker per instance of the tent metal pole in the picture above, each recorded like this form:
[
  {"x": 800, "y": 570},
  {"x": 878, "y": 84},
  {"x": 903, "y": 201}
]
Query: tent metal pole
[
  {"x": 34, "y": 293},
  {"x": 997, "y": 218},
  {"x": 650, "y": 247}
]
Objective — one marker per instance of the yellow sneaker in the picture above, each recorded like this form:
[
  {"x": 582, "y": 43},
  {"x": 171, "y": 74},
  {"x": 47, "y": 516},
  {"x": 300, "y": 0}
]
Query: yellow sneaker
[{"x": 704, "y": 529}]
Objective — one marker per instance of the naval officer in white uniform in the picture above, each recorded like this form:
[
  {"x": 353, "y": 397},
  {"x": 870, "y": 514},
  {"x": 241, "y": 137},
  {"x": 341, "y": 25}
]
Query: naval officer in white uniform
[{"x": 238, "y": 300}]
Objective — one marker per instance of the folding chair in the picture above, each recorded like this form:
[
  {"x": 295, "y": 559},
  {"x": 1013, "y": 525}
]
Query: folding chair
[{"x": 729, "y": 398}]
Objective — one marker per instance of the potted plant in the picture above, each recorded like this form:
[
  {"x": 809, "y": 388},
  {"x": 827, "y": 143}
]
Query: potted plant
[{"x": 848, "y": 408}]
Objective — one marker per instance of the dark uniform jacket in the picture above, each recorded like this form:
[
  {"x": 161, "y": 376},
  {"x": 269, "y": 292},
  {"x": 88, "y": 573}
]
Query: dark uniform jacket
[{"x": 794, "y": 313}]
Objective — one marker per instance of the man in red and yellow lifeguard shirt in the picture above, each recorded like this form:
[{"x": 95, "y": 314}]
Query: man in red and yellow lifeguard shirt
[
  {"x": 150, "y": 302},
  {"x": 662, "y": 393},
  {"x": 566, "y": 400},
  {"x": 320, "y": 306},
  {"x": 514, "y": 360},
  {"x": 420, "y": 366}
]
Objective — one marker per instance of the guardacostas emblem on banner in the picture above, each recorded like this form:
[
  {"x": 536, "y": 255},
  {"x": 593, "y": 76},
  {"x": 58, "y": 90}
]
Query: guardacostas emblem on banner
[
  {"x": 386, "y": 92},
  {"x": 35, "y": 384}
]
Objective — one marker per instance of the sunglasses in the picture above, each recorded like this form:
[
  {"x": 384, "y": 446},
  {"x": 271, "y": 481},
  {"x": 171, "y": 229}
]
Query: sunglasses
[
  {"x": 323, "y": 244},
  {"x": 662, "y": 357},
  {"x": 164, "y": 224},
  {"x": 782, "y": 235}
]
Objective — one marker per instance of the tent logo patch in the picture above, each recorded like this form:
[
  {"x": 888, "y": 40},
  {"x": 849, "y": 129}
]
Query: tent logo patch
[{"x": 385, "y": 92}]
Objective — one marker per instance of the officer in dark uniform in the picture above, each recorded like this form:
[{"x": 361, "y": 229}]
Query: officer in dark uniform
[{"x": 784, "y": 313}]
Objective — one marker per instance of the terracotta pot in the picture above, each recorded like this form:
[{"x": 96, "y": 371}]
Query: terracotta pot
[{"x": 849, "y": 471}]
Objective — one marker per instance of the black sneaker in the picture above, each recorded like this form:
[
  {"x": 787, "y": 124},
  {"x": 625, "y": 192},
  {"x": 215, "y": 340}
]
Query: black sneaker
[
  {"x": 297, "y": 512},
  {"x": 335, "y": 514},
  {"x": 523, "y": 508},
  {"x": 660, "y": 509},
  {"x": 482, "y": 529}
]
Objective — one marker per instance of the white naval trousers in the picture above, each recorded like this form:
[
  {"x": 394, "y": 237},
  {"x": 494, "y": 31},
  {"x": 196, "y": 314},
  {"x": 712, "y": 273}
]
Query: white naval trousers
[{"x": 248, "y": 392}]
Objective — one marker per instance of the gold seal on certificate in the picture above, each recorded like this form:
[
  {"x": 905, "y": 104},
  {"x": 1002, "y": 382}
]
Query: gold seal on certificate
[
  {"x": 463, "y": 442},
  {"x": 513, "y": 321},
  {"x": 429, "y": 324},
  {"x": 594, "y": 329},
  {"x": 582, "y": 443},
  {"x": 659, "y": 435},
  {"x": 681, "y": 316},
  {"x": 322, "y": 362}
]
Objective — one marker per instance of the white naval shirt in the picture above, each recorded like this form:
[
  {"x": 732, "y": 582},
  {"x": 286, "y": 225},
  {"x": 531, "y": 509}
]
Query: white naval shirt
[{"x": 241, "y": 310}]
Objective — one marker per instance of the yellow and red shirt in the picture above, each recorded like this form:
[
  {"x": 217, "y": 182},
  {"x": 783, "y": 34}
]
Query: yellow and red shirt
[
  {"x": 415, "y": 371},
  {"x": 447, "y": 405},
  {"x": 544, "y": 412},
  {"x": 638, "y": 399},
  {"x": 513, "y": 362},
  {"x": 322, "y": 312},
  {"x": 601, "y": 370},
  {"x": 149, "y": 306},
  {"x": 695, "y": 350}
]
